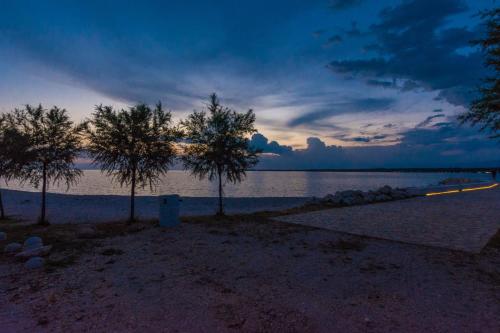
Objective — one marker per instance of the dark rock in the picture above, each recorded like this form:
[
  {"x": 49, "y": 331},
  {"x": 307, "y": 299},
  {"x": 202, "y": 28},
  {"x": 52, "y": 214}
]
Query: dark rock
[
  {"x": 13, "y": 247},
  {"x": 32, "y": 243},
  {"x": 385, "y": 190},
  {"x": 34, "y": 263},
  {"x": 382, "y": 197}
]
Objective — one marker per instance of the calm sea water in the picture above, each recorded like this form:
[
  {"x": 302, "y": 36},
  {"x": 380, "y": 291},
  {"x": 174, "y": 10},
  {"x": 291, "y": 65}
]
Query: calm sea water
[{"x": 261, "y": 183}]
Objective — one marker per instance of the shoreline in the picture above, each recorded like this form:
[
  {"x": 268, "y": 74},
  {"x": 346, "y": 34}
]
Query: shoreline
[
  {"x": 401, "y": 170},
  {"x": 87, "y": 208},
  {"x": 73, "y": 208}
]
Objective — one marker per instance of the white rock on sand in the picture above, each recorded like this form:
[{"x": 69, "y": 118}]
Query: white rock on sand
[
  {"x": 356, "y": 197},
  {"x": 32, "y": 243}
]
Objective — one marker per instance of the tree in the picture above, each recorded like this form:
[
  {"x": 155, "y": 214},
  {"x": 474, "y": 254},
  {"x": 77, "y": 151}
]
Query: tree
[
  {"x": 52, "y": 143},
  {"x": 5, "y": 158},
  {"x": 12, "y": 151},
  {"x": 486, "y": 109},
  {"x": 218, "y": 146},
  {"x": 134, "y": 146}
]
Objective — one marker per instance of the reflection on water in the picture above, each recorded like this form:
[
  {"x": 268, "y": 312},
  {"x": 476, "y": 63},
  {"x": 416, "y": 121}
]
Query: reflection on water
[{"x": 262, "y": 183}]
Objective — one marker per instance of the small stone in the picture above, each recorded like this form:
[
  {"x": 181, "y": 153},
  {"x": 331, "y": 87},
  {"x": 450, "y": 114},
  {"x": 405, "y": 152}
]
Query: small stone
[
  {"x": 337, "y": 199},
  {"x": 33, "y": 243},
  {"x": 382, "y": 197},
  {"x": 328, "y": 198},
  {"x": 34, "y": 263},
  {"x": 312, "y": 201},
  {"x": 415, "y": 192},
  {"x": 385, "y": 190},
  {"x": 86, "y": 232},
  {"x": 348, "y": 201},
  {"x": 13, "y": 247},
  {"x": 398, "y": 195},
  {"x": 3, "y": 236},
  {"x": 369, "y": 197},
  {"x": 36, "y": 252}
]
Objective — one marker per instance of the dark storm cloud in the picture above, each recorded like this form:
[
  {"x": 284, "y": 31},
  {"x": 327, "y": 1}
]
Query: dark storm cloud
[
  {"x": 429, "y": 120},
  {"x": 449, "y": 136},
  {"x": 445, "y": 146},
  {"x": 357, "y": 105},
  {"x": 319, "y": 33},
  {"x": 366, "y": 139},
  {"x": 344, "y": 4},
  {"x": 172, "y": 51},
  {"x": 410, "y": 85},
  {"x": 443, "y": 124},
  {"x": 354, "y": 31},
  {"x": 413, "y": 43},
  {"x": 335, "y": 39},
  {"x": 380, "y": 83},
  {"x": 261, "y": 143}
]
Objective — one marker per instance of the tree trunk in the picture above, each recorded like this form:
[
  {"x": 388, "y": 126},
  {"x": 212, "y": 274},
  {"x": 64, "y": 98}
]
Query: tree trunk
[
  {"x": 2, "y": 211},
  {"x": 221, "y": 208},
  {"x": 132, "y": 199},
  {"x": 44, "y": 192}
]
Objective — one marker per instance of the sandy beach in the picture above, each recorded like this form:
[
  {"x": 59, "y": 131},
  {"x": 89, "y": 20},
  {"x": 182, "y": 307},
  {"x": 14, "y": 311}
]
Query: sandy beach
[
  {"x": 247, "y": 273},
  {"x": 68, "y": 208}
]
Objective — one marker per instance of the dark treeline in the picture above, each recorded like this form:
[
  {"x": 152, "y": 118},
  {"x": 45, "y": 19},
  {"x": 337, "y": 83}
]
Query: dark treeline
[{"x": 135, "y": 146}]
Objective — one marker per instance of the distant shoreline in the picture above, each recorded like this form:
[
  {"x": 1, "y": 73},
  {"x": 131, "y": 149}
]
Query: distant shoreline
[
  {"x": 428, "y": 170},
  {"x": 408, "y": 170}
]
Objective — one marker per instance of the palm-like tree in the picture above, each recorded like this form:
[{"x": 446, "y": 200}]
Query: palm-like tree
[
  {"x": 50, "y": 144},
  {"x": 217, "y": 144},
  {"x": 134, "y": 146}
]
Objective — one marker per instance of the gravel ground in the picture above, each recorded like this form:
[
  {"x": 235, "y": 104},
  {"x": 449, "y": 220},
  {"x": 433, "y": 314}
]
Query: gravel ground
[
  {"x": 250, "y": 274},
  {"x": 66, "y": 208},
  {"x": 464, "y": 221}
]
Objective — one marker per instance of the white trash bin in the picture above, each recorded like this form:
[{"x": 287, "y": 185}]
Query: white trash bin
[{"x": 169, "y": 210}]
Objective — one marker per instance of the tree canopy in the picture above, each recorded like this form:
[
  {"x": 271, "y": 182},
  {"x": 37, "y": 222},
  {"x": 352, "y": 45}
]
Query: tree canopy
[
  {"x": 485, "y": 110},
  {"x": 218, "y": 145},
  {"x": 6, "y": 166},
  {"x": 51, "y": 143},
  {"x": 134, "y": 146}
]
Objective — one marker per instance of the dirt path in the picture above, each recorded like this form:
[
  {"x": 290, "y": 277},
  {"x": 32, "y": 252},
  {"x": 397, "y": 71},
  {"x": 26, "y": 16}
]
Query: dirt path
[{"x": 464, "y": 221}]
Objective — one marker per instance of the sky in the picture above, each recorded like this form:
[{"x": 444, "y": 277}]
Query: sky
[{"x": 333, "y": 83}]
